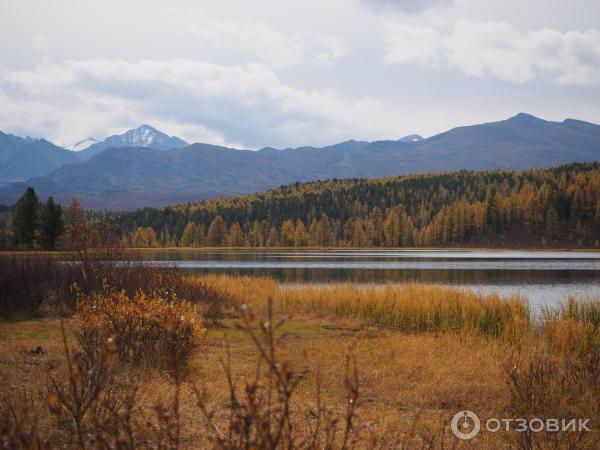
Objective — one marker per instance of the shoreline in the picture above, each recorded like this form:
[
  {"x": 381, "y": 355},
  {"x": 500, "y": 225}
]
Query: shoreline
[{"x": 324, "y": 249}]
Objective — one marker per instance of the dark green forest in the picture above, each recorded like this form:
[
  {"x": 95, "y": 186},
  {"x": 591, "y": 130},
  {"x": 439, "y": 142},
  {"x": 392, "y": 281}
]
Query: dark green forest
[{"x": 542, "y": 207}]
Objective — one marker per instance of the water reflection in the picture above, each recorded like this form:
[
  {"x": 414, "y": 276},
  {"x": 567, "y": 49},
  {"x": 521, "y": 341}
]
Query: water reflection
[{"x": 543, "y": 277}]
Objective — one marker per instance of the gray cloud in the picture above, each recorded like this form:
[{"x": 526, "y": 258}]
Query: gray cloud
[
  {"x": 258, "y": 73},
  {"x": 245, "y": 105}
]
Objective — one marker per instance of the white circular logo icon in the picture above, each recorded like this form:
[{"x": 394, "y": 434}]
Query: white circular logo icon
[{"x": 465, "y": 425}]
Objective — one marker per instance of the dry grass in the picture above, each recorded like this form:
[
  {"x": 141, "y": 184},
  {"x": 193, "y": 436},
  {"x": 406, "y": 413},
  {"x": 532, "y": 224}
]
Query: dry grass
[
  {"x": 412, "y": 308},
  {"x": 414, "y": 371}
]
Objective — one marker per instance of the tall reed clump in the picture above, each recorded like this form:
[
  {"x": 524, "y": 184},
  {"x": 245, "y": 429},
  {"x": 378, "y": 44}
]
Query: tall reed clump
[
  {"x": 155, "y": 328},
  {"x": 241, "y": 290},
  {"x": 580, "y": 309},
  {"x": 415, "y": 308},
  {"x": 556, "y": 374}
]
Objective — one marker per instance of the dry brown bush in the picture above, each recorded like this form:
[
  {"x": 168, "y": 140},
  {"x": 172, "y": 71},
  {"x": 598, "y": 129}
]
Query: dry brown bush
[{"x": 156, "y": 329}]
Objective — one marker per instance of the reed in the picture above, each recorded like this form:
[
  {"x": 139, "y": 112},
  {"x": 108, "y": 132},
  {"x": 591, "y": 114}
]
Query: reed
[
  {"x": 581, "y": 309},
  {"x": 410, "y": 308}
]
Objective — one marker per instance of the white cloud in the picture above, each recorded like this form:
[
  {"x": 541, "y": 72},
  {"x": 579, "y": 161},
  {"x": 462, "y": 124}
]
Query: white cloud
[
  {"x": 413, "y": 44},
  {"x": 229, "y": 105},
  {"x": 264, "y": 42},
  {"x": 499, "y": 50}
]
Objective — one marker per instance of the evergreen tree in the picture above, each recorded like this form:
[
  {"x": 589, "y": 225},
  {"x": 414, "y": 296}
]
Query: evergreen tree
[
  {"x": 491, "y": 209},
  {"x": 27, "y": 219},
  {"x": 53, "y": 223}
]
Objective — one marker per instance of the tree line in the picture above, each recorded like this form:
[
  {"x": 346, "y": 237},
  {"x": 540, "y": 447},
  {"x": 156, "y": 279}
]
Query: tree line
[
  {"x": 36, "y": 225},
  {"x": 533, "y": 207},
  {"x": 556, "y": 206}
]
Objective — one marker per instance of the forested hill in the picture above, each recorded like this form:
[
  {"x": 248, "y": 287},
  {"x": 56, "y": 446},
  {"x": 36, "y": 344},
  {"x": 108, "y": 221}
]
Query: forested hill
[{"x": 557, "y": 206}]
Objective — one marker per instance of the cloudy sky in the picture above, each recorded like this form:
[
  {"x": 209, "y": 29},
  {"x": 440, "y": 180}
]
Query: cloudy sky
[{"x": 280, "y": 73}]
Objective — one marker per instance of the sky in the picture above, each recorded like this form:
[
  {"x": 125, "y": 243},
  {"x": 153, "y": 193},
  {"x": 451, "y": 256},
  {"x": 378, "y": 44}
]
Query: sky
[{"x": 250, "y": 74}]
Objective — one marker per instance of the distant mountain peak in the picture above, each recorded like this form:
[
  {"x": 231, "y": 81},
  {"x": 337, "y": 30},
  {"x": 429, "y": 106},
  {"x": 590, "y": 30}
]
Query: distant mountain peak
[
  {"x": 145, "y": 136},
  {"x": 524, "y": 117}
]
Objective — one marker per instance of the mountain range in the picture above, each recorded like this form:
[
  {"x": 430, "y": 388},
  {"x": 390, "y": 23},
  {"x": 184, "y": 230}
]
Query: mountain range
[
  {"x": 23, "y": 158},
  {"x": 138, "y": 169}
]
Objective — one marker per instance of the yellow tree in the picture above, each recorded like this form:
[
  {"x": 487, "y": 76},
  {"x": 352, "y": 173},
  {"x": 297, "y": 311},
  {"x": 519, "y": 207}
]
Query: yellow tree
[
  {"x": 273, "y": 239},
  {"x": 300, "y": 234},
  {"x": 235, "y": 239},
  {"x": 187, "y": 238},
  {"x": 359, "y": 238},
  {"x": 287, "y": 233},
  {"x": 217, "y": 232},
  {"x": 391, "y": 230}
]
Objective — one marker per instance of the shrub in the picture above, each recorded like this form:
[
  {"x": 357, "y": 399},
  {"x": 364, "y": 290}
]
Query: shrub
[
  {"x": 27, "y": 281},
  {"x": 156, "y": 328}
]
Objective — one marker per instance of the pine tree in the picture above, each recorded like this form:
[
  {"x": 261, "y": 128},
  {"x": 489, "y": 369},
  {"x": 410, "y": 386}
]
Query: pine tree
[
  {"x": 376, "y": 227},
  {"x": 491, "y": 209},
  {"x": 53, "y": 223},
  {"x": 27, "y": 219}
]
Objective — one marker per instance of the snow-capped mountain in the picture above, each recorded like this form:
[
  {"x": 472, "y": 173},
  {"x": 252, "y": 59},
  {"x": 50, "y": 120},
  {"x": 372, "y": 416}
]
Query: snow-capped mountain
[
  {"x": 82, "y": 145},
  {"x": 143, "y": 136}
]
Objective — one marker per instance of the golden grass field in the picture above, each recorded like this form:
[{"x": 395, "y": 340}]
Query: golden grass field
[{"x": 422, "y": 354}]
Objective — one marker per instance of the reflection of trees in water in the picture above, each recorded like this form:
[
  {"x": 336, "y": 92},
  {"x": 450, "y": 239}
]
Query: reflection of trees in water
[{"x": 446, "y": 276}]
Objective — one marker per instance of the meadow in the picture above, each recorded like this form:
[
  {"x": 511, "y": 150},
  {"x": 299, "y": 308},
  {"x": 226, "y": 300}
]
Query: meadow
[{"x": 105, "y": 352}]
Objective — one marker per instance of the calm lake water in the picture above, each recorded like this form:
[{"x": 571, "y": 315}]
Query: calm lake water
[{"x": 544, "y": 277}]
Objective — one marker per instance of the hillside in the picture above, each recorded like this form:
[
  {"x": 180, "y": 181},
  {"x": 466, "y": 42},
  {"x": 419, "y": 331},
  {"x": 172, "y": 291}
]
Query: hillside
[
  {"x": 558, "y": 206},
  {"x": 132, "y": 177},
  {"x": 21, "y": 159}
]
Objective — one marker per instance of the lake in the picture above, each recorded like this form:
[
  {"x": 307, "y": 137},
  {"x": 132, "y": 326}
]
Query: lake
[{"x": 544, "y": 277}]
